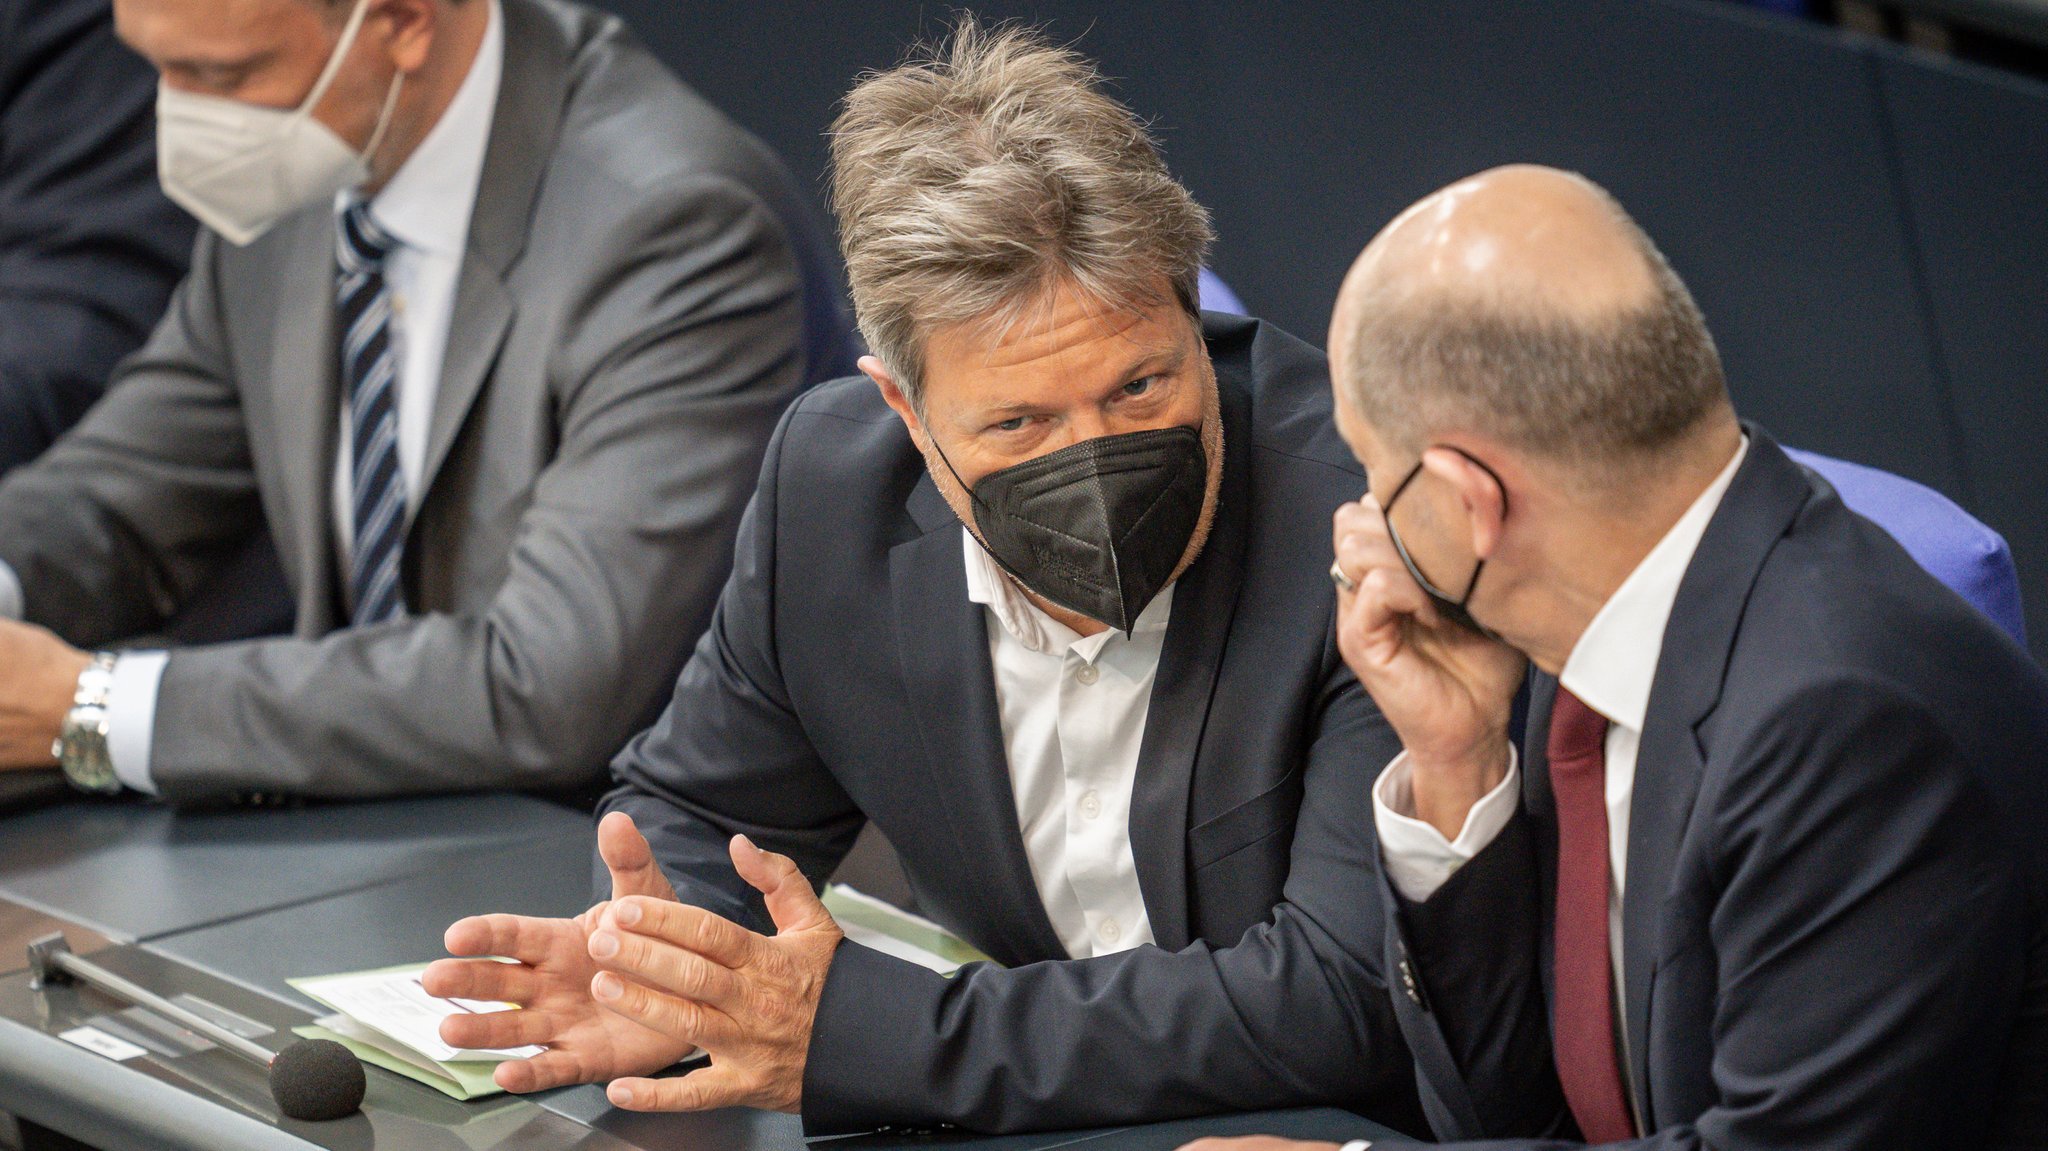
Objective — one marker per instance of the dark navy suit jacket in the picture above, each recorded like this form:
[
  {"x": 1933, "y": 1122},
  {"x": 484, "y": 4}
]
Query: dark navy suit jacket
[
  {"x": 1835, "y": 929},
  {"x": 89, "y": 247},
  {"x": 846, "y": 678}
]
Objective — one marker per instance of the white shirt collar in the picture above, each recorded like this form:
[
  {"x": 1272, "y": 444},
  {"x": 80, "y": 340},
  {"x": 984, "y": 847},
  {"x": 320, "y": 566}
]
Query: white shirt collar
[
  {"x": 427, "y": 204},
  {"x": 989, "y": 585},
  {"x": 1613, "y": 665}
]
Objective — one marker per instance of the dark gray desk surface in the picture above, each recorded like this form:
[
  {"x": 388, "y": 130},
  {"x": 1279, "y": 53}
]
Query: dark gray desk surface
[
  {"x": 229, "y": 905},
  {"x": 137, "y": 871},
  {"x": 391, "y": 923}
]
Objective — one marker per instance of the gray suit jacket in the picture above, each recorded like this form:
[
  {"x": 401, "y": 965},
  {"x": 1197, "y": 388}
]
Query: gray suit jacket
[{"x": 627, "y": 327}]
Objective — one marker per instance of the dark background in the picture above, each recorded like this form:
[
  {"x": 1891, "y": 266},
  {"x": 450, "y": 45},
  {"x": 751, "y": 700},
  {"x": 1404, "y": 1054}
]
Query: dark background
[{"x": 1866, "y": 227}]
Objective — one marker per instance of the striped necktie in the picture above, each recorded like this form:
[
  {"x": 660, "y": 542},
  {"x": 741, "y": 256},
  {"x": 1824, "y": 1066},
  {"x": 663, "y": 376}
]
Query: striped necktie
[{"x": 377, "y": 484}]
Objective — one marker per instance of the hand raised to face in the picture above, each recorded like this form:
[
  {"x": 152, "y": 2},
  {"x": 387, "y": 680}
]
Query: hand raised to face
[{"x": 1446, "y": 689}]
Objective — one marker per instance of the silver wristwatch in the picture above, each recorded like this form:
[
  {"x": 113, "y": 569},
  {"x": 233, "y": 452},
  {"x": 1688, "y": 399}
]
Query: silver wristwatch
[{"x": 81, "y": 746}]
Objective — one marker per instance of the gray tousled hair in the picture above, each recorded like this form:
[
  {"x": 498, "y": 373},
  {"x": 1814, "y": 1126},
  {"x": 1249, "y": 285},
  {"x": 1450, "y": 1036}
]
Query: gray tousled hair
[{"x": 982, "y": 174}]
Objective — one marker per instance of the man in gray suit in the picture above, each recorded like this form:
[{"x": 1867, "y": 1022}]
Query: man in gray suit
[{"x": 490, "y": 323}]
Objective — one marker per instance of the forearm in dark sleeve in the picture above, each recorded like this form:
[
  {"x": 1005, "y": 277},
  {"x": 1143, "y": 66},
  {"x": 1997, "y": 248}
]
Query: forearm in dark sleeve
[
  {"x": 729, "y": 755},
  {"x": 89, "y": 246},
  {"x": 1292, "y": 1014},
  {"x": 1472, "y": 951},
  {"x": 55, "y": 358},
  {"x": 727, "y": 758},
  {"x": 1279, "y": 1019}
]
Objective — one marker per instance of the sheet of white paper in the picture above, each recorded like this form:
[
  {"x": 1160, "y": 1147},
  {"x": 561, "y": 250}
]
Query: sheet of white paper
[
  {"x": 394, "y": 1003},
  {"x": 100, "y": 1043},
  {"x": 348, "y": 1028}
]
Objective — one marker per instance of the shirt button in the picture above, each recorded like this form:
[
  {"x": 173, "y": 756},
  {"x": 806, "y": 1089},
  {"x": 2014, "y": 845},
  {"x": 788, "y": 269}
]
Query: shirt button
[
  {"x": 1087, "y": 675},
  {"x": 1109, "y": 931},
  {"x": 1091, "y": 805}
]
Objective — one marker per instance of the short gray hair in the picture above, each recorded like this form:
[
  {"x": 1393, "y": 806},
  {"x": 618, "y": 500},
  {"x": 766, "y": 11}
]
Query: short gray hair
[
  {"x": 1605, "y": 392},
  {"x": 981, "y": 174}
]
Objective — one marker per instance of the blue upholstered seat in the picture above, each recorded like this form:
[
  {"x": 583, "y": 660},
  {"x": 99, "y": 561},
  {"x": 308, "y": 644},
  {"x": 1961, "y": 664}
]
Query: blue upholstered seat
[
  {"x": 1216, "y": 295},
  {"x": 1949, "y": 542}
]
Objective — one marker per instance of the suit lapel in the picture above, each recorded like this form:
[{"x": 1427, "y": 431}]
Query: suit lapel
[
  {"x": 1767, "y": 492},
  {"x": 476, "y": 332},
  {"x": 524, "y": 125},
  {"x": 1204, "y": 602},
  {"x": 942, "y": 641},
  {"x": 305, "y": 377}
]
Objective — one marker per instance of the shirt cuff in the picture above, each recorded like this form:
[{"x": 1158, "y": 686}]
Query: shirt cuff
[
  {"x": 11, "y": 606},
  {"x": 131, "y": 716},
  {"x": 1417, "y": 857}
]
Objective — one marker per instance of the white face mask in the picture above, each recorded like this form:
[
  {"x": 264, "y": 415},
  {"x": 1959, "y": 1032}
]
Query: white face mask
[{"x": 240, "y": 168}]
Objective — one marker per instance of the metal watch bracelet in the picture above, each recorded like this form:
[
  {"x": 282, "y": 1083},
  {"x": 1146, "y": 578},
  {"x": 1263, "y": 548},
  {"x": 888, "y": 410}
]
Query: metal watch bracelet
[{"x": 81, "y": 744}]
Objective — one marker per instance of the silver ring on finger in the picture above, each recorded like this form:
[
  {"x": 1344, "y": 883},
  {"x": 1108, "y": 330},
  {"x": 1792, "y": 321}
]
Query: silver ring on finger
[{"x": 1337, "y": 576}]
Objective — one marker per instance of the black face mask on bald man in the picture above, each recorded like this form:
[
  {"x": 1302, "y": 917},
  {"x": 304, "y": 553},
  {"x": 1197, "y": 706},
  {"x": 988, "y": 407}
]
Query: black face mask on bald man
[{"x": 1097, "y": 527}]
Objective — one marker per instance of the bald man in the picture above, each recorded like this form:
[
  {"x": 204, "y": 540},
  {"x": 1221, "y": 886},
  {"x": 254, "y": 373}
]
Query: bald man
[{"x": 1768, "y": 870}]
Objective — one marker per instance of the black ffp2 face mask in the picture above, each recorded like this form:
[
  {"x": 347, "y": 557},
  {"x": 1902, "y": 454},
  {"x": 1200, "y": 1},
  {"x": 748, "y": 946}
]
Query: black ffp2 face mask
[{"x": 1097, "y": 527}]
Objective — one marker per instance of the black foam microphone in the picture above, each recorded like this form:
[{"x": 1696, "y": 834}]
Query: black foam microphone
[{"x": 312, "y": 1079}]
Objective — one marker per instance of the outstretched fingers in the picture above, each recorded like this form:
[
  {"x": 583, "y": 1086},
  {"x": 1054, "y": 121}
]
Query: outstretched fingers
[
  {"x": 705, "y": 1089},
  {"x": 684, "y": 1020},
  {"x": 486, "y": 979},
  {"x": 522, "y": 937},
  {"x": 677, "y": 925},
  {"x": 630, "y": 860},
  {"x": 494, "y": 1030},
  {"x": 792, "y": 902},
  {"x": 547, "y": 1070}
]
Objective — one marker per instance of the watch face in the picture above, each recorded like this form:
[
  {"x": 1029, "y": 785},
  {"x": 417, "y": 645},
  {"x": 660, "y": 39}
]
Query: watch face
[{"x": 84, "y": 757}]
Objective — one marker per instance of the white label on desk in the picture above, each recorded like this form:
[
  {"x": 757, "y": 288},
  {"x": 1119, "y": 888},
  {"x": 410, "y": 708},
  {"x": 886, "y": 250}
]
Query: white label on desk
[{"x": 100, "y": 1043}]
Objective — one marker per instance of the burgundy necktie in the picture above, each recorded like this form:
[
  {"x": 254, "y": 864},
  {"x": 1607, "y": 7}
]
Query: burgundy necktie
[{"x": 1582, "y": 1032}]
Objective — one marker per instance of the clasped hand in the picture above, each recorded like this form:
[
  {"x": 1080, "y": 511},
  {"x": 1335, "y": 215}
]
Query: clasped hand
[{"x": 641, "y": 981}]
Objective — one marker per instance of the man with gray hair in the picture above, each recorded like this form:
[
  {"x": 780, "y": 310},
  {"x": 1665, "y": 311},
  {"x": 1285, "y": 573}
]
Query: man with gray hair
[
  {"x": 1768, "y": 869},
  {"x": 1043, "y": 599}
]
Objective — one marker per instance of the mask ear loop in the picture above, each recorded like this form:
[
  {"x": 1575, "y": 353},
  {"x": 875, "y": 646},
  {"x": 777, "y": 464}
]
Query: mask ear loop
[
  {"x": 384, "y": 118},
  {"x": 1472, "y": 585},
  {"x": 334, "y": 59},
  {"x": 971, "y": 496},
  {"x": 974, "y": 531}
]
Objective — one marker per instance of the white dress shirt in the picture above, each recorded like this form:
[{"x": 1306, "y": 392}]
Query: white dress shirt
[
  {"x": 1611, "y": 669},
  {"x": 426, "y": 207},
  {"x": 1073, "y": 711}
]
